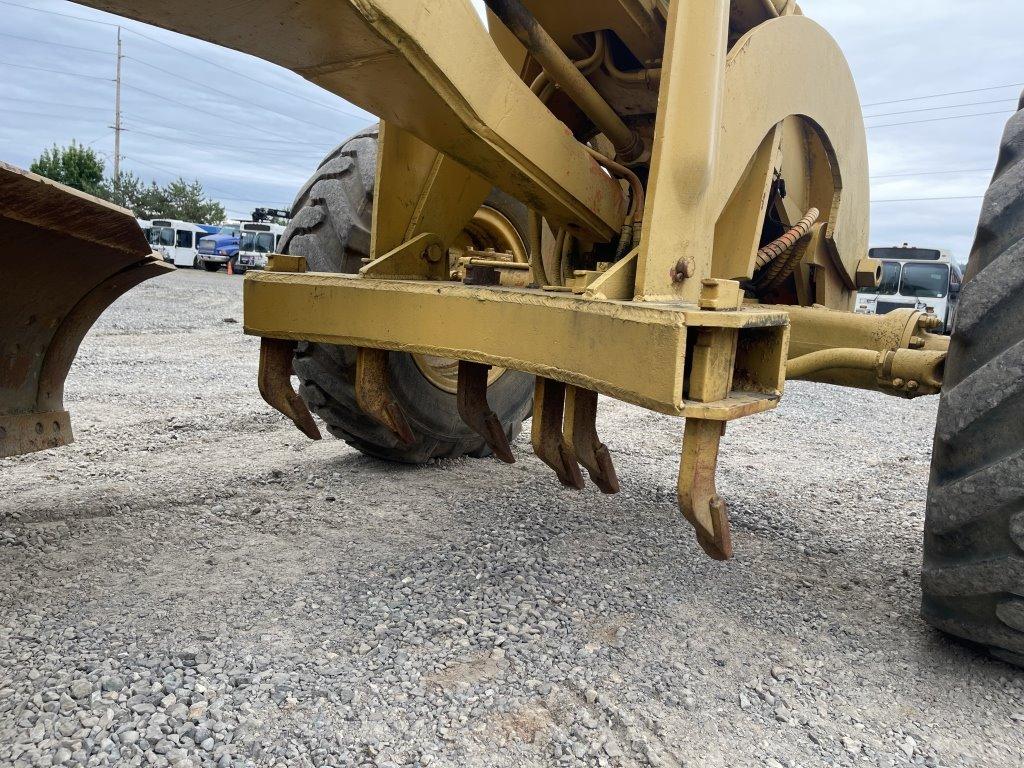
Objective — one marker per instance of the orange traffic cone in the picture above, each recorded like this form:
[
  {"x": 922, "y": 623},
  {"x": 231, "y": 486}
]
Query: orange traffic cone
[{"x": 231, "y": 270}]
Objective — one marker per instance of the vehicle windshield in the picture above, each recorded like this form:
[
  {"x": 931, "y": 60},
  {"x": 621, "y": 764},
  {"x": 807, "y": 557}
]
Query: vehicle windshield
[
  {"x": 161, "y": 236},
  {"x": 264, "y": 242},
  {"x": 248, "y": 242},
  {"x": 925, "y": 281},
  {"x": 890, "y": 282},
  {"x": 233, "y": 231}
]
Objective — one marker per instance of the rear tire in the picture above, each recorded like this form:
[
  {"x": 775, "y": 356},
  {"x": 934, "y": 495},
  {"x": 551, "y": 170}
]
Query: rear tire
[
  {"x": 331, "y": 227},
  {"x": 973, "y": 579}
]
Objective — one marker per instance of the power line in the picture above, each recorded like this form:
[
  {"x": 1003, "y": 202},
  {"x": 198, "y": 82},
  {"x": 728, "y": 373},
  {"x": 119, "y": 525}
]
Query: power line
[
  {"x": 926, "y": 199},
  {"x": 80, "y": 118},
  {"x": 208, "y": 144},
  {"x": 207, "y": 87},
  {"x": 216, "y": 191},
  {"x": 932, "y": 173},
  {"x": 937, "y": 109},
  {"x": 55, "y": 71},
  {"x": 98, "y": 138},
  {"x": 949, "y": 93},
  {"x": 50, "y": 42},
  {"x": 939, "y": 119},
  {"x": 190, "y": 54},
  {"x": 50, "y": 102},
  {"x": 164, "y": 97},
  {"x": 272, "y": 148},
  {"x": 58, "y": 13},
  {"x": 248, "y": 77}
]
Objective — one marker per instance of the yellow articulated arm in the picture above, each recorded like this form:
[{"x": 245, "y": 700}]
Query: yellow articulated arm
[{"x": 429, "y": 68}]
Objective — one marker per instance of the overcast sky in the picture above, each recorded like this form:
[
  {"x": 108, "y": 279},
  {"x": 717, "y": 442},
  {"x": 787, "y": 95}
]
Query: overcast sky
[{"x": 252, "y": 132}]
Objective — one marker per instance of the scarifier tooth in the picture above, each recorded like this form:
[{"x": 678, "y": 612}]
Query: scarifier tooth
[
  {"x": 548, "y": 441},
  {"x": 475, "y": 411},
  {"x": 580, "y": 432},
  {"x": 698, "y": 499},
  {"x": 275, "y": 385},
  {"x": 374, "y": 397}
]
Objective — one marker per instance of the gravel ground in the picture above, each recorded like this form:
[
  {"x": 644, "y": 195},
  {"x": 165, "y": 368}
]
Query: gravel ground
[{"x": 193, "y": 583}]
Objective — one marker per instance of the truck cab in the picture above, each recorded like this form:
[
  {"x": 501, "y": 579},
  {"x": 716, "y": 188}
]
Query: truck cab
[
  {"x": 218, "y": 249},
  {"x": 925, "y": 279}
]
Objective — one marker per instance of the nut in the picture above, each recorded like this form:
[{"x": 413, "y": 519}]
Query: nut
[
  {"x": 869, "y": 273},
  {"x": 433, "y": 253}
]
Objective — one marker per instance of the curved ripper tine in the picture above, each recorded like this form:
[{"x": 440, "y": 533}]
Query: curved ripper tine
[
  {"x": 474, "y": 410},
  {"x": 698, "y": 499},
  {"x": 373, "y": 394},
  {"x": 580, "y": 433},
  {"x": 548, "y": 441},
  {"x": 275, "y": 384}
]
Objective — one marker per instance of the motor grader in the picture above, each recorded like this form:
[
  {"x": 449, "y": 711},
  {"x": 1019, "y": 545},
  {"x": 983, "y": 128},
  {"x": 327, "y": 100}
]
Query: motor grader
[{"x": 665, "y": 203}]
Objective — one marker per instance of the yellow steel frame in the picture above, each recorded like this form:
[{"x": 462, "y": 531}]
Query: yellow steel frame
[
  {"x": 629, "y": 351},
  {"x": 741, "y": 104}
]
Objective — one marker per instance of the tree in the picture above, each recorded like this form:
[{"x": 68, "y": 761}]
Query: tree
[
  {"x": 186, "y": 201},
  {"x": 125, "y": 190},
  {"x": 76, "y": 166},
  {"x": 152, "y": 203},
  {"x": 81, "y": 167}
]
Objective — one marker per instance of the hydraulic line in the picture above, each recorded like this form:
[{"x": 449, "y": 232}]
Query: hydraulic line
[
  {"x": 834, "y": 359},
  {"x": 560, "y": 68},
  {"x": 635, "y": 217},
  {"x": 650, "y": 77},
  {"x": 781, "y": 246},
  {"x": 586, "y": 66}
]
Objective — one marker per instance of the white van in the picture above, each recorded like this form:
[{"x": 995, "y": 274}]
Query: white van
[
  {"x": 926, "y": 279},
  {"x": 258, "y": 241},
  {"x": 177, "y": 241}
]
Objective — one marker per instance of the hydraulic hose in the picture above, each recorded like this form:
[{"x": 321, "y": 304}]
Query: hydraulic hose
[
  {"x": 649, "y": 77},
  {"x": 782, "y": 245},
  {"x": 560, "y": 68}
]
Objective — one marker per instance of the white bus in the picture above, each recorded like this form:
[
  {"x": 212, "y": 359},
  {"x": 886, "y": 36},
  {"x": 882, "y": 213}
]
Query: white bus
[
  {"x": 926, "y": 279},
  {"x": 177, "y": 241},
  {"x": 258, "y": 241}
]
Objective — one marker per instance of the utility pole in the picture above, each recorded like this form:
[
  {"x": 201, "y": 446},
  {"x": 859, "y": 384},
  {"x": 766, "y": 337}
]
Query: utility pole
[{"x": 117, "y": 111}]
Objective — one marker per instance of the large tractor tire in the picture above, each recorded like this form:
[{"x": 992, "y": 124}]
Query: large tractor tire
[
  {"x": 331, "y": 229},
  {"x": 973, "y": 580}
]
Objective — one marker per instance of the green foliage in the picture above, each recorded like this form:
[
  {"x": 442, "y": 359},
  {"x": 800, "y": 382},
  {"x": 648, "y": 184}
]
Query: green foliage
[
  {"x": 125, "y": 190},
  {"x": 76, "y": 166},
  {"x": 80, "y": 167},
  {"x": 187, "y": 202}
]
